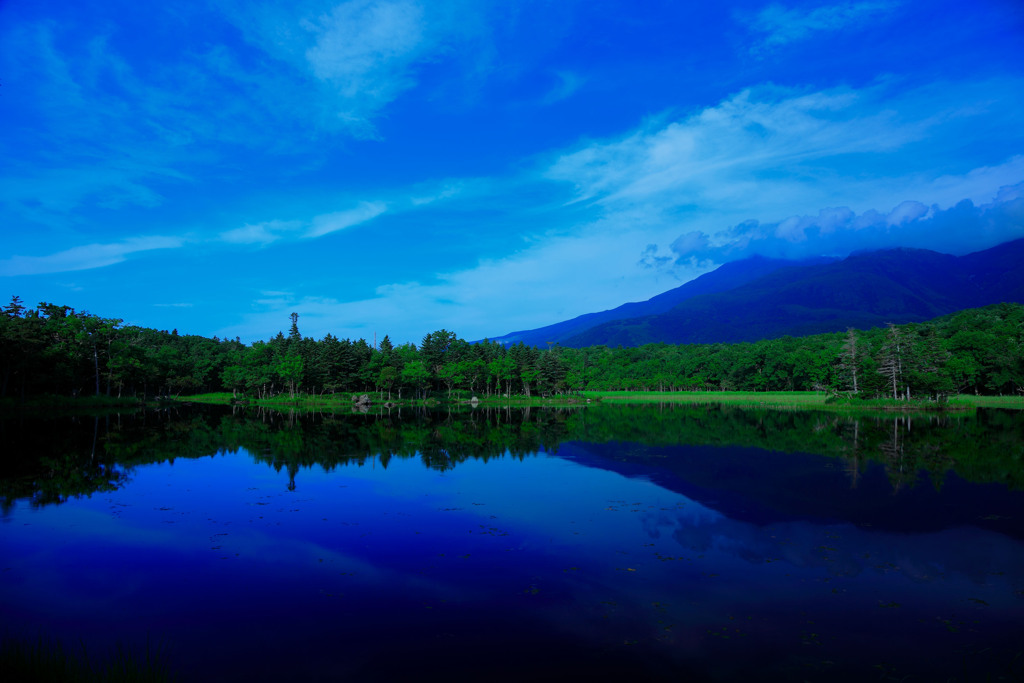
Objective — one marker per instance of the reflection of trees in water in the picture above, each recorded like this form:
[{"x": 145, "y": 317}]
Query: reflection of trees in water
[
  {"x": 439, "y": 439},
  {"x": 895, "y": 463},
  {"x": 905, "y": 457},
  {"x": 852, "y": 456},
  {"x": 70, "y": 467},
  {"x": 60, "y": 479},
  {"x": 68, "y": 457},
  {"x": 52, "y": 460},
  {"x": 984, "y": 447}
]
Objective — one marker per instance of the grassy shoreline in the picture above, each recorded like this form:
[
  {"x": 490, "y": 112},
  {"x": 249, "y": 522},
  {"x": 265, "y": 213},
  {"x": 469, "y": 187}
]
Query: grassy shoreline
[
  {"x": 344, "y": 402},
  {"x": 817, "y": 400},
  {"x": 783, "y": 400}
]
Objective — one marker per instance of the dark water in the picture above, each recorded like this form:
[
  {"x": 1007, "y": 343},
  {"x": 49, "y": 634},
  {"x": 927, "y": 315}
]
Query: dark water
[{"x": 607, "y": 543}]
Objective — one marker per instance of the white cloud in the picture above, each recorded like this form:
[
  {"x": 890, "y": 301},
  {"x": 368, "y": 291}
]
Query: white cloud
[
  {"x": 780, "y": 25},
  {"x": 353, "y": 58},
  {"x": 84, "y": 257},
  {"x": 339, "y": 220},
  {"x": 366, "y": 47},
  {"x": 906, "y": 212},
  {"x": 959, "y": 229},
  {"x": 568, "y": 83},
  {"x": 260, "y": 233},
  {"x": 772, "y": 152},
  {"x": 733, "y": 151},
  {"x": 48, "y": 195},
  {"x": 267, "y": 232},
  {"x": 447, "y": 191}
]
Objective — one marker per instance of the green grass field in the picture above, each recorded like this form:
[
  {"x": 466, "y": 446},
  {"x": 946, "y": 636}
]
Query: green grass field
[
  {"x": 343, "y": 401},
  {"x": 802, "y": 399},
  {"x": 770, "y": 398},
  {"x": 1011, "y": 402},
  {"x": 782, "y": 400}
]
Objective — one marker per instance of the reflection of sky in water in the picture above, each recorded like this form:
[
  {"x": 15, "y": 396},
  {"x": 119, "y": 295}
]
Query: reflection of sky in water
[{"x": 368, "y": 571}]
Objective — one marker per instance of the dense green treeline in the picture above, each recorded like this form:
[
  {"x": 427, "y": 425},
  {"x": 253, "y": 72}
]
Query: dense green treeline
[
  {"x": 58, "y": 351},
  {"x": 55, "y": 350},
  {"x": 973, "y": 351}
]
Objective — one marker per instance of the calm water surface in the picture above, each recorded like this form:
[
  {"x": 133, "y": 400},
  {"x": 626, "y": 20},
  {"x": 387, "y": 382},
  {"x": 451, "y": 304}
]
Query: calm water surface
[{"x": 612, "y": 543}]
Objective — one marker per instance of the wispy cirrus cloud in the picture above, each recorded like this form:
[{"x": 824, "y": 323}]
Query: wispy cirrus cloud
[
  {"x": 85, "y": 257},
  {"x": 357, "y": 56},
  {"x": 777, "y": 25},
  {"x": 365, "y": 51},
  {"x": 568, "y": 84},
  {"x": 417, "y": 197},
  {"x": 773, "y": 151},
  {"x": 722, "y": 152},
  {"x": 325, "y": 224},
  {"x": 261, "y": 233},
  {"x": 363, "y": 46},
  {"x": 106, "y": 126},
  {"x": 267, "y": 232}
]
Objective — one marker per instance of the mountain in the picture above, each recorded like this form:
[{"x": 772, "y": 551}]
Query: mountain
[
  {"x": 864, "y": 290},
  {"x": 727, "y": 277}
]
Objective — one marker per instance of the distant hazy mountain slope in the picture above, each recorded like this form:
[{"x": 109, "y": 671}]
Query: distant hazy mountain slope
[
  {"x": 864, "y": 290},
  {"x": 1000, "y": 270},
  {"x": 724, "y": 278}
]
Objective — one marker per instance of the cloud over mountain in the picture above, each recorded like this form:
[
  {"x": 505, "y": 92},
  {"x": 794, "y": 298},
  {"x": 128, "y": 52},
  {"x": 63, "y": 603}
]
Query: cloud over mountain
[{"x": 960, "y": 229}]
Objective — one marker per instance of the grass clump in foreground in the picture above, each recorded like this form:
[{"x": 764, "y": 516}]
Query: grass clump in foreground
[{"x": 46, "y": 660}]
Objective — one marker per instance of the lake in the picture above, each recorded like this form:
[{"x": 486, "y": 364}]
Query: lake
[{"x": 606, "y": 543}]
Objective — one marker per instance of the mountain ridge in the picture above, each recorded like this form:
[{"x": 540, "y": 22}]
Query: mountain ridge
[
  {"x": 725, "y": 277},
  {"x": 775, "y": 298}
]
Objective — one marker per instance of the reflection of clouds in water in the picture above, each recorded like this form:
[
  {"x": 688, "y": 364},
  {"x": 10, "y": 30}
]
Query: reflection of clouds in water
[
  {"x": 846, "y": 550},
  {"x": 664, "y": 522}
]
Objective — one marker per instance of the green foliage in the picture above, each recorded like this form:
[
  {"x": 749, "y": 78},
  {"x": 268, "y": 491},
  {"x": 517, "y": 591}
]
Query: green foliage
[
  {"x": 416, "y": 375},
  {"x": 54, "y": 350},
  {"x": 289, "y": 370},
  {"x": 974, "y": 351}
]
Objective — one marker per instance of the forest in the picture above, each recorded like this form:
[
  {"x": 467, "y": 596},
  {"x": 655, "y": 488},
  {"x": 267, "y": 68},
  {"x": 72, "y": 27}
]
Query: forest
[{"x": 54, "y": 350}]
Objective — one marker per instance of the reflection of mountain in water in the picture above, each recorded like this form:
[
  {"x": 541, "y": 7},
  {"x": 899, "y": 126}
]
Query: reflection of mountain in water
[
  {"x": 764, "y": 488},
  {"x": 758, "y": 466},
  {"x": 842, "y": 548},
  {"x": 897, "y": 473}
]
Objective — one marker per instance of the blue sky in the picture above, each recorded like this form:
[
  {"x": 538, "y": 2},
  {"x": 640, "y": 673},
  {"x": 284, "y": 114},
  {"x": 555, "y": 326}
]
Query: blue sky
[{"x": 397, "y": 167}]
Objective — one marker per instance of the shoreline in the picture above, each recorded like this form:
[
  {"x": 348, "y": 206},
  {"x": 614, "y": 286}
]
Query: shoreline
[{"x": 362, "y": 402}]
